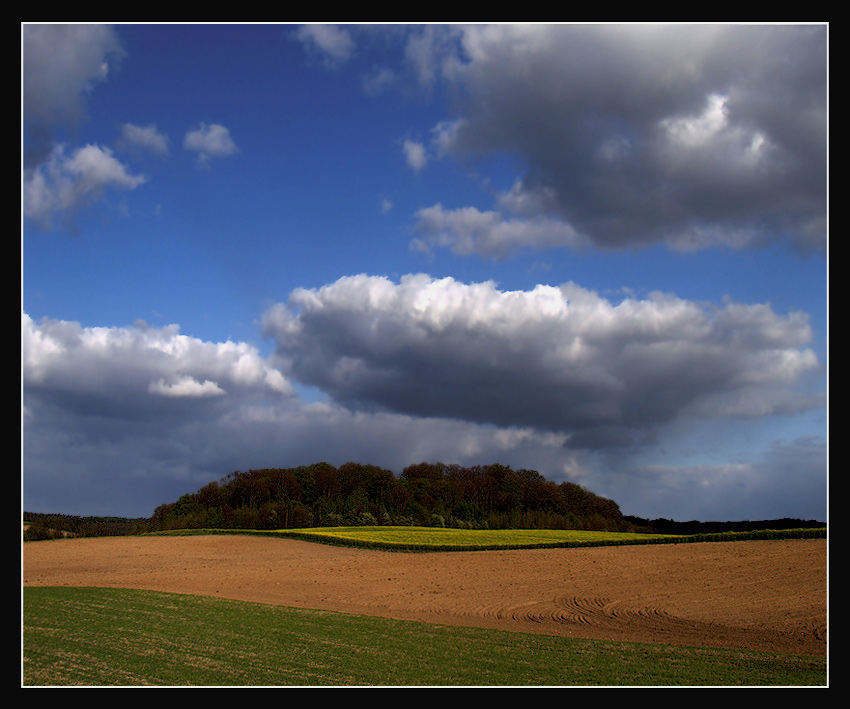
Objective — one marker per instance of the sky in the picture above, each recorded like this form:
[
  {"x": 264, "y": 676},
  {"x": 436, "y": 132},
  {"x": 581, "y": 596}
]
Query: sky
[{"x": 595, "y": 251}]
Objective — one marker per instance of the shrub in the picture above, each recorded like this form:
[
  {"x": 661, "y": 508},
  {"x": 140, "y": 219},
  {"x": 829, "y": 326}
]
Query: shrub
[{"x": 37, "y": 532}]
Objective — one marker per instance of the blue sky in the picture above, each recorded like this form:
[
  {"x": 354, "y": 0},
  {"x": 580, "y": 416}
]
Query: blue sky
[{"x": 599, "y": 252}]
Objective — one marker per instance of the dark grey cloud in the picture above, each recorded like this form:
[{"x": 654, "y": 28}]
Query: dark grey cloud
[
  {"x": 115, "y": 466},
  {"x": 788, "y": 479},
  {"x": 552, "y": 359},
  {"x": 119, "y": 420},
  {"x": 62, "y": 64},
  {"x": 632, "y": 135}
]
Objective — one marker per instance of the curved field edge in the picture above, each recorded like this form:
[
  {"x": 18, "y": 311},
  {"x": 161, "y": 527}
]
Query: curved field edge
[
  {"x": 98, "y": 636},
  {"x": 424, "y": 539}
]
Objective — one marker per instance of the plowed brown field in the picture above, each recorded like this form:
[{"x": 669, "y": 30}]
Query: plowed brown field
[{"x": 759, "y": 595}]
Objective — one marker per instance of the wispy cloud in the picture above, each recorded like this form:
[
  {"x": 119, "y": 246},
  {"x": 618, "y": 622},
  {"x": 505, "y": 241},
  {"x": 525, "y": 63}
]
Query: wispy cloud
[{"x": 333, "y": 43}]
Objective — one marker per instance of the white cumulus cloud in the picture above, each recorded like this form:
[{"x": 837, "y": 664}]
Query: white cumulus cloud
[
  {"x": 210, "y": 141},
  {"x": 129, "y": 368},
  {"x": 414, "y": 154},
  {"x": 468, "y": 230},
  {"x": 552, "y": 358},
  {"x": 144, "y": 137},
  {"x": 68, "y": 181}
]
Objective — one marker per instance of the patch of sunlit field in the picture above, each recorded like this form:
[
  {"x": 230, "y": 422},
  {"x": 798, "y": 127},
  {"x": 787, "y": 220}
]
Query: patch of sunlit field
[
  {"x": 440, "y": 537},
  {"x": 405, "y": 538}
]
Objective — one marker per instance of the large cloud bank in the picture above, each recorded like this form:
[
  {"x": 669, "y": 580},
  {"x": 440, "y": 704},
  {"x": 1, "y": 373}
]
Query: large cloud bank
[
  {"x": 556, "y": 379},
  {"x": 553, "y": 358}
]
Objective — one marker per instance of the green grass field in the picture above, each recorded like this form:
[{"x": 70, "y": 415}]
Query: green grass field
[{"x": 106, "y": 637}]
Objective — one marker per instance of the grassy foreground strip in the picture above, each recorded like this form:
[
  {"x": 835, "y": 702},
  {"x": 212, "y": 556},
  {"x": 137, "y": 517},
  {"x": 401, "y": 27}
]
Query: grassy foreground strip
[
  {"x": 119, "y": 637},
  {"x": 420, "y": 539}
]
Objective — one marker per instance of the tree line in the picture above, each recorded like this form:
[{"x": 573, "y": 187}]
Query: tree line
[
  {"x": 354, "y": 494},
  {"x": 668, "y": 526},
  {"x": 39, "y": 526}
]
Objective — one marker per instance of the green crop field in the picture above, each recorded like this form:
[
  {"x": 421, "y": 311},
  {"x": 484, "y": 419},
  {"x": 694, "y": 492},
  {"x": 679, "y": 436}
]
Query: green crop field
[
  {"x": 105, "y": 637},
  {"x": 406, "y": 538},
  {"x": 424, "y": 538}
]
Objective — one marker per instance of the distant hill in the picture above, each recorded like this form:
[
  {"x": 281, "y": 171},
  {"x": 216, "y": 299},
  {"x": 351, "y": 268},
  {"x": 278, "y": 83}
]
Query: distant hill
[{"x": 668, "y": 526}]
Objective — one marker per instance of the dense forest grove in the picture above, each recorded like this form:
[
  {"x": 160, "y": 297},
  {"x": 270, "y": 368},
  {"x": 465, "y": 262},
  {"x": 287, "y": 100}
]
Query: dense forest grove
[
  {"x": 426, "y": 494},
  {"x": 354, "y": 494}
]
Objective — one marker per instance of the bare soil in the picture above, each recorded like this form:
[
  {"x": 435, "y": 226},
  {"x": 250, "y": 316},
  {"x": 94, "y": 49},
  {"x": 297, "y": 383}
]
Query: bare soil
[{"x": 755, "y": 595}]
